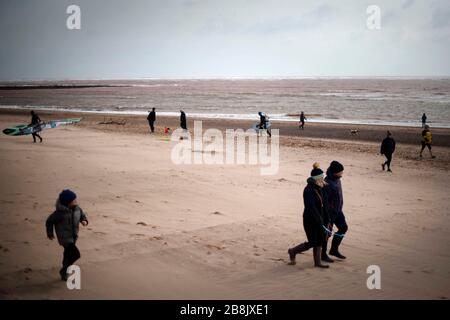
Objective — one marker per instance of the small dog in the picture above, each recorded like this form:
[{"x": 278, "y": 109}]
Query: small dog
[{"x": 354, "y": 132}]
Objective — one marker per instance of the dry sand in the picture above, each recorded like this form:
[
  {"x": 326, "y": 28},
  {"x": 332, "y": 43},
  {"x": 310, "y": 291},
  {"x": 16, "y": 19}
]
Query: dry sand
[{"x": 162, "y": 231}]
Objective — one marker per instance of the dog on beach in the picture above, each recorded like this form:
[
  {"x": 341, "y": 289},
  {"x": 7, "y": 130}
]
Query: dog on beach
[{"x": 354, "y": 132}]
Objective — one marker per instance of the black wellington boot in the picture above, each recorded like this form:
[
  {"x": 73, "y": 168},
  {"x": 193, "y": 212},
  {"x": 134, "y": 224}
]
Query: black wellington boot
[
  {"x": 334, "y": 247},
  {"x": 325, "y": 256},
  {"x": 297, "y": 249},
  {"x": 317, "y": 261}
]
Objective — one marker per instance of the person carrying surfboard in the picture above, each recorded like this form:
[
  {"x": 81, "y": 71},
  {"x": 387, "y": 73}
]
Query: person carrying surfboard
[
  {"x": 65, "y": 220},
  {"x": 35, "y": 122},
  {"x": 263, "y": 123}
]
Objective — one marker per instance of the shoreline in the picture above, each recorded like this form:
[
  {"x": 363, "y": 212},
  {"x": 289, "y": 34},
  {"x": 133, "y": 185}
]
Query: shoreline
[
  {"x": 334, "y": 131},
  {"x": 275, "y": 118}
]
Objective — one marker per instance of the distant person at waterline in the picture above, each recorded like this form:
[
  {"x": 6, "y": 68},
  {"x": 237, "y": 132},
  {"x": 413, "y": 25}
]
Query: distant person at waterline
[
  {"x": 424, "y": 120},
  {"x": 151, "y": 120},
  {"x": 302, "y": 120},
  {"x": 427, "y": 139},
  {"x": 183, "y": 122},
  {"x": 387, "y": 149}
]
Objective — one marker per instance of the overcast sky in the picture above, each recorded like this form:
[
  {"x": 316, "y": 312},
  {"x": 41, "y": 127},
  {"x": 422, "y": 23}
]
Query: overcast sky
[{"x": 223, "y": 38}]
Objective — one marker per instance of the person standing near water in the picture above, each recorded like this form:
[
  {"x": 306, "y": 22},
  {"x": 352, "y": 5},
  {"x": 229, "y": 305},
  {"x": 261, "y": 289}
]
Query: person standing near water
[
  {"x": 302, "y": 120},
  {"x": 387, "y": 148},
  {"x": 424, "y": 120},
  {"x": 427, "y": 139},
  {"x": 314, "y": 217},
  {"x": 151, "y": 120},
  {"x": 183, "y": 122},
  {"x": 334, "y": 196},
  {"x": 35, "y": 122}
]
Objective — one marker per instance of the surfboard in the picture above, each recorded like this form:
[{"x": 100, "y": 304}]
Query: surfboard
[
  {"x": 257, "y": 129},
  {"x": 24, "y": 129}
]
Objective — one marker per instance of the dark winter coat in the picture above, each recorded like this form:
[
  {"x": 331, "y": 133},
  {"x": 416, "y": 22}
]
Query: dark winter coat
[
  {"x": 151, "y": 116},
  {"x": 334, "y": 196},
  {"x": 388, "y": 146},
  {"x": 315, "y": 214},
  {"x": 65, "y": 221}
]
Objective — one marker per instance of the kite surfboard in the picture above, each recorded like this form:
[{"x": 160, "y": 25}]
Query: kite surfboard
[{"x": 24, "y": 129}]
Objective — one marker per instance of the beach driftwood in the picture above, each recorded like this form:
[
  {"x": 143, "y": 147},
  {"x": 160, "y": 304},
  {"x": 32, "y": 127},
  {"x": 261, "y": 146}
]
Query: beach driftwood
[{"x": 110, "y": 121}]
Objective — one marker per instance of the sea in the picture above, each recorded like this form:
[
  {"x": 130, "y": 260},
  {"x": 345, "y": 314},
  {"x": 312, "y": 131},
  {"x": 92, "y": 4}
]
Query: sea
[{"x": 375, "y": 101}]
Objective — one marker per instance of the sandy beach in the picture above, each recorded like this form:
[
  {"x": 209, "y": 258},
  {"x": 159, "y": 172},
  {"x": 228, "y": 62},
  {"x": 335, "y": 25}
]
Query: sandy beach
[{"x": 163, "y": 231}]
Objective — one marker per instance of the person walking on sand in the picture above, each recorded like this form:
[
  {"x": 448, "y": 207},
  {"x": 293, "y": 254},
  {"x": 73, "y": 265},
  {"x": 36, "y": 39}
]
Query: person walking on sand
[
  {"x": 151, "y": 120},
  {"x": 183, "y": 122},
  {"x": 387, "y": 148},
  {"x": 65, "y": 220},
  {"x": 427, "y": 139},
  {"x": 35, "y": 122},
  {"x": 302, "y": 120},
  {"x": 424, "y": 120},
  {"x": 314, "y": 218},
  {"x": 334, "y": 196}
]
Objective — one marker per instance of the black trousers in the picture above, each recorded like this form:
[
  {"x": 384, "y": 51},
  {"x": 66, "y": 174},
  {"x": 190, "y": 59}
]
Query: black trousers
[
  {"x": 36, "y": 135},
  {"x": 71, "y": 254},
  {"x": 388, "y": 159},
  {"x": 152, "y": 126}
]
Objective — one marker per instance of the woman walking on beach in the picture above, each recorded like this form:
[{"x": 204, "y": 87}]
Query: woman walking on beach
[
  {"x": 427, "y": 139},
  {"x": 314, "y": 217},
  {"x": 334, "y": 196},
  {"x": 387, "y": 148}
]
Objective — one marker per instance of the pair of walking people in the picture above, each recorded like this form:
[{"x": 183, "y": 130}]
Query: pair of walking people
[{"x": 323, "y": 203}]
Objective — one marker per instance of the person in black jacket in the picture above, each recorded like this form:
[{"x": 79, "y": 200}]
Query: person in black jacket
[
  {"x": 35, "y": 122},
  {"x": 314, "y": 218},
  {"x": 335, "y": 204},
  {"x": 302, "y": 120},
  {"x": 387, "y": 148},
  {"x": 183, "y": 122},
  {"x": 424, "y": 120},
  {"x": 151, "y": 120}
]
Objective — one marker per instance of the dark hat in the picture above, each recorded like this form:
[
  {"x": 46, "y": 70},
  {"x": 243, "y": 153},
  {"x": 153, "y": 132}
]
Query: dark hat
[
  {"x": 66, "y": 197},
  {"x": 335, "y": 167},
  {"x": 316, "y": 172}
]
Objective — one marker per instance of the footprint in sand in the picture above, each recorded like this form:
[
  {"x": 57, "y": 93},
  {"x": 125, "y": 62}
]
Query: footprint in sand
[
  {"x": 217, "y": 213},
  {"x": 100, "y": 233},
  {"x": 137, "y": 235},
  {"x": 407, "y": 271},
  {"x": 141, "y": 224}
]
